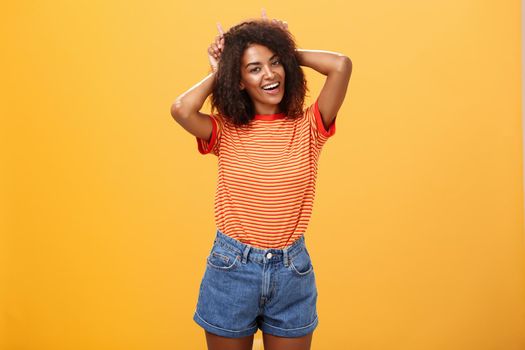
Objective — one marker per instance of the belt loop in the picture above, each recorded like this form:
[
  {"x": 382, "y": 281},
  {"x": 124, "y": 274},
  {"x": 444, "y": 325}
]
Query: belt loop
[
  {"x": 245, "y": 254},
  {"x": 285, "y": 257}
]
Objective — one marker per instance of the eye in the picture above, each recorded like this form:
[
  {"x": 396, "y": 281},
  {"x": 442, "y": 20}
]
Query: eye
[
  {"x": 253, "y": 70},
  {"x": 277, "y": 62}
]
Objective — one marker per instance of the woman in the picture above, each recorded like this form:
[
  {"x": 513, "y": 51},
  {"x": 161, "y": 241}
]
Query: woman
[{"x": 259, "y": 273}]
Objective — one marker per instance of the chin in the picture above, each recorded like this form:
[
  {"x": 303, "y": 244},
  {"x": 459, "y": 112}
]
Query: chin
[
  {"x": 273, "y": 102},
  {"x": 273, "y": 99}
]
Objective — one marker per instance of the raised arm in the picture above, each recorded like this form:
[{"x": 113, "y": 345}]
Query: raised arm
[
  {"x": 186, "y": 108},
  {"x": 338, "y": 69}
]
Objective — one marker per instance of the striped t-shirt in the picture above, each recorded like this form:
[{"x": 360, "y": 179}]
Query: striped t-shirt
[{"x": 266, "y": 175}]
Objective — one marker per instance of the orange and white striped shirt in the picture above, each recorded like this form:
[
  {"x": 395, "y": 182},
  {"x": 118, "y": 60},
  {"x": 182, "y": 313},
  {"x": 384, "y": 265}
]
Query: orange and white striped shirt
[{"x": 266, "y": 175}]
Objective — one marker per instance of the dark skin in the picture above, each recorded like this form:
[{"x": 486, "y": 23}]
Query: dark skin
[
  {"x": 336, "y": 67},
  {"x": 271, "y": 342}
]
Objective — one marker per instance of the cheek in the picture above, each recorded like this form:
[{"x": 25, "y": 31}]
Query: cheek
[
  {"x": 252, "y": 82},
  {"x": 247, "y": 82}
]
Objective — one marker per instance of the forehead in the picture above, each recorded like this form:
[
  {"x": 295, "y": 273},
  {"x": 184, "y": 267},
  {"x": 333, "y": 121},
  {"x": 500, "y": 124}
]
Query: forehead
[{"x": 256, "y": 53}]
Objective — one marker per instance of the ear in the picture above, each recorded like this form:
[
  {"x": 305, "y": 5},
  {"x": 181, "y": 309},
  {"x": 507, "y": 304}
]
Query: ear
[{"x": 241, "y": 86}]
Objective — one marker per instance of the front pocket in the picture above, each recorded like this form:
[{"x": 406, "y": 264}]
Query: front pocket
[
  {"x": 301, "y": 263},
  {"x": 220, "y": 256},
  {"x": 222, "y": 259}
]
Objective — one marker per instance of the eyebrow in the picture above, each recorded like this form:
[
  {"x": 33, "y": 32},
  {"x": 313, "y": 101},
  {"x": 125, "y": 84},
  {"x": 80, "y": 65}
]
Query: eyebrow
[{"x": 257, "y": 63}]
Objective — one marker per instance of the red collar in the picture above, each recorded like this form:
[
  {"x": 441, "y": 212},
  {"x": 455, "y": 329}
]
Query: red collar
[{"x": 269, "y": 116}]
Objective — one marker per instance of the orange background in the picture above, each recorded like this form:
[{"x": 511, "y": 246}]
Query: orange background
[{"x": 417, "y": 231}]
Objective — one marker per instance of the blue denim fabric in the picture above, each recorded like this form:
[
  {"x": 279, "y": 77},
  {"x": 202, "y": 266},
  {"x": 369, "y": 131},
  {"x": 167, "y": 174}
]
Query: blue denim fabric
[{"x": 245, "y": 288}]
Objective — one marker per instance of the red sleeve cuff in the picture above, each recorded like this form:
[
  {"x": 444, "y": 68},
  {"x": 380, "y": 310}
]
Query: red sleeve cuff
[
  {"x": 320, "y": 124},
  {"x": 204, "y": 146}
]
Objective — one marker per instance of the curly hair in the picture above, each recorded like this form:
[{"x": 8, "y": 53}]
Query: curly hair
[{"x": 235, "y": 104}]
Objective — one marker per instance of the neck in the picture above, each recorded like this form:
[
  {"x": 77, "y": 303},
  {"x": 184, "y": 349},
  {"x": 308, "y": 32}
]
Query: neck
[{"x": 267, "y": 109}]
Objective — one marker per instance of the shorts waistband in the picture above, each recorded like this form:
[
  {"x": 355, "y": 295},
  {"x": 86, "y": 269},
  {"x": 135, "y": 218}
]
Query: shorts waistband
[{"x": 259, "y": 254}]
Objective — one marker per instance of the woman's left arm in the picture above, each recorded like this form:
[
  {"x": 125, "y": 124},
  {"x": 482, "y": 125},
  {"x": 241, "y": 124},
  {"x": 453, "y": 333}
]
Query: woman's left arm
[{"x": 337, "y": 68}]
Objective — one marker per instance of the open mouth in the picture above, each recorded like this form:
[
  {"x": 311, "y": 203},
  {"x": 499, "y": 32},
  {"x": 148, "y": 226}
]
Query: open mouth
[
  {"x": 271, "y": 86},
  {"x": 272, "y": 89}
]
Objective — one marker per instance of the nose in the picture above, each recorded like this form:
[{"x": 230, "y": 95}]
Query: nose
[{"x": 269, "y": 72}]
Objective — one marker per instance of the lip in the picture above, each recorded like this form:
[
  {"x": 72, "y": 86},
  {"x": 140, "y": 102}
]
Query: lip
[
  {"x": 274, "y": 91},
  {"x": 273, "y": 82}
]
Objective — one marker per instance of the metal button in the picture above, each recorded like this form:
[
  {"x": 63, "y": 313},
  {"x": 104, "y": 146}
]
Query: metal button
[{"x": 269, "y": 255}]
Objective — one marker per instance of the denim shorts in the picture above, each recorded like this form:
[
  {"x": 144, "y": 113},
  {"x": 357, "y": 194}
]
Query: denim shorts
[{"x": 245, "y": 288}]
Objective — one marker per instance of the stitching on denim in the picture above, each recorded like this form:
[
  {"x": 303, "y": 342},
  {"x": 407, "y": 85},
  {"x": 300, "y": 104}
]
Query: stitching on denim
[
  {"x": 233, "y": 249},
  {"x": 291, "y": 329},
  {"x": 229, "y": 247},
  {"x": 302, "y": 273},
  {"x": 297, "y": 252},
  {"x": 227, "y": 268},
  {"x": 224, "y": 329},
  {"x": 224, "y": 258}
]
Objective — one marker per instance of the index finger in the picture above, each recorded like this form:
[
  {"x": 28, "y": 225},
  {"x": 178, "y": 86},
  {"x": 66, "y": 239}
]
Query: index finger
[
  {"x": 219, "y": 27},
  {"x": 263, "y": 14}
]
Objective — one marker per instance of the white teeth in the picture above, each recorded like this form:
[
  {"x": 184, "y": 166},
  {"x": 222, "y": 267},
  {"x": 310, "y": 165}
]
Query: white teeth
[{"x": 271, "y": 86}]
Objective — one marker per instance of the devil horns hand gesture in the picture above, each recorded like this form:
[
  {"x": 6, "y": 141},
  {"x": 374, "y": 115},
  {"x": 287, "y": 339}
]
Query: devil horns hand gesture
[
  {"x": 215, "y": 49},
  {"x": 282, "y": 24}
]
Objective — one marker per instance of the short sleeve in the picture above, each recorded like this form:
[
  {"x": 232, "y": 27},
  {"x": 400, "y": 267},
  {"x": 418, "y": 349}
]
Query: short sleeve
[
  {"x": 211, "y": 146},
  {"x": 318, "y": 131}
]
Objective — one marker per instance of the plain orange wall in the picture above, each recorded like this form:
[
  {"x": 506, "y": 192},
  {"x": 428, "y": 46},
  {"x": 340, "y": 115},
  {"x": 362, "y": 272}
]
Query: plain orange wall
[{"x": 417, "y": 231}]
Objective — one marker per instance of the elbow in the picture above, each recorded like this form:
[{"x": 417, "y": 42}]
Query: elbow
[
  {"x": 343, "y": 68},
  {"x": 344, "y": 64},
  {"x": 177, "y": 110}
]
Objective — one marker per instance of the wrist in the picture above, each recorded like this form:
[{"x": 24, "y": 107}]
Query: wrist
[{"x": 299, "y": 56}]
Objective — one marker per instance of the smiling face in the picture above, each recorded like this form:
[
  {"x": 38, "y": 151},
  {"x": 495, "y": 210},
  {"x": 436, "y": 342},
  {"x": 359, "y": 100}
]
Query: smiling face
[{"x": 261, "y": 68}]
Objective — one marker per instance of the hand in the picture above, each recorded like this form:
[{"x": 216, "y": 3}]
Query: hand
[
  {"x": 282, "y": 24},
  {"x": 215, "y": 49}
]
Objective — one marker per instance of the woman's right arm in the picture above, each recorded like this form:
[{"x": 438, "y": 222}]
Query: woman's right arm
[{"x": 186, "y": 109}]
